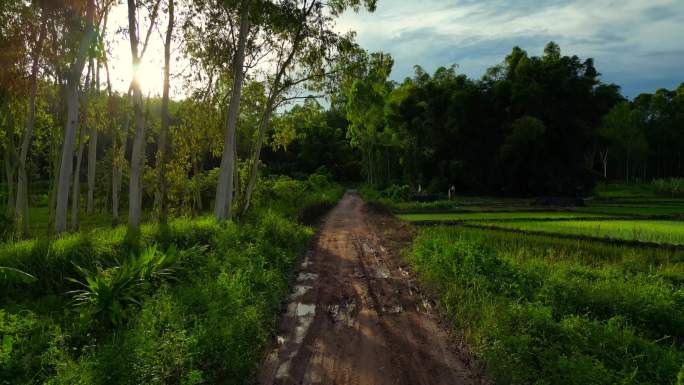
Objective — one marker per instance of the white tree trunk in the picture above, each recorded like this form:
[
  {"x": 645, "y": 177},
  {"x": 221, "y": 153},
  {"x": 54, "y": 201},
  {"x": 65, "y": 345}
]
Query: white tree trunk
[
  {"x": 254, "y": 169},
  {"x": 224, "y": 190},
  {"x": 92, "y": 164},
  {"x": 21, "y": 216},
  {"x": 164, "y": 130},
  {"x": 73, "y": 82},
  {"x": 67, "y": 163},
  {"x": 76, "y": 184},
  {"x": 137, "y": 155},
  {"x": 137, "y": 159}
]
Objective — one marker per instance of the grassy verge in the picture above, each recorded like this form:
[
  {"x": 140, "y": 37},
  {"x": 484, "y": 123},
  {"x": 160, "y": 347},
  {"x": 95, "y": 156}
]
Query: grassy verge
[
  {"x": 193, "y": 302},
  {"x": 558, "y": 312}
]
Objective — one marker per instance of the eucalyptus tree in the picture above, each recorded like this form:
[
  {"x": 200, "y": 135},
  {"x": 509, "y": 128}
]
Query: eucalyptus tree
[
  {"x": 23, "y": 29},
  {"x": 306, "y": 50},
  {"x": 135, "y": 185},
  {"x": 103, "y": 21},
  {"x": 81, "y": 26},
  {"x": 164, "y": 130}
]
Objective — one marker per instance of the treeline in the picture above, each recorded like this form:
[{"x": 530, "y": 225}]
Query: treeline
[
  {"x": 530, "y": 125},
  {"x": 64, "y": 128}
]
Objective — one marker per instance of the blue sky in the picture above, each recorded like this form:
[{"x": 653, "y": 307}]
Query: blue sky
[{"x": 638, "y": 44}]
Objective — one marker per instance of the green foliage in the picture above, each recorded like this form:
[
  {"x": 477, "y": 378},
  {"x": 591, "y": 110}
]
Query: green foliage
[
  {"x": 673, "y": 187},
  {"x": 199, "y": 312},
  {"x": 537, "y": 310},
  {"x": 107, "y": 293},
  {"x": 10, "y": 275}
]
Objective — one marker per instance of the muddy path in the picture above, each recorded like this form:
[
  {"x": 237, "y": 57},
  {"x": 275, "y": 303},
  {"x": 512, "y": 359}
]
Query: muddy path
[{"x": 356, "y": 315}]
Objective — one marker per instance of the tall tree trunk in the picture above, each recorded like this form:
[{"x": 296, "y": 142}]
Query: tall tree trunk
[
  {"x": 224, "y": 190},
  {"x": 604, "y": 161},
  {"x": 137, "y": 155},
  {"x": 197, "y": 186},
  {"x": 67, "y": 162},
  {"x": 21, "y": 213},
  {"x": 164, "y": 130},
  {"x": 9, "y": 156},
  {"x": 254, "y": 168},
  {"x": 9, "y": 174},
  {"x": 76, "y": 184},
  {"x": 92, "y": 168},
  {"x": 92, "y": 149}
]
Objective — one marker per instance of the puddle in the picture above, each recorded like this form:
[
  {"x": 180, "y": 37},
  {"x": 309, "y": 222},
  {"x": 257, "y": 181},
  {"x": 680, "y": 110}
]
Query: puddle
[{"x": 307, "y": 277}]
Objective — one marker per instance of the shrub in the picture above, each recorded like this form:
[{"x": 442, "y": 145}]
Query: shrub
[{"x": 107, "y": 293}]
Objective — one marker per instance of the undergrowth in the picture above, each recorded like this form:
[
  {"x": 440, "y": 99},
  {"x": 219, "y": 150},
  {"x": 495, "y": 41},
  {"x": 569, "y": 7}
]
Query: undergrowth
[{"x": 192, "y": 302}]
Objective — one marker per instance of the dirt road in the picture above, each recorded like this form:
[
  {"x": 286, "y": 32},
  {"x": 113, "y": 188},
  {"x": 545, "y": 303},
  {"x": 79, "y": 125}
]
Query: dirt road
[{"x": 355, "y": 315}]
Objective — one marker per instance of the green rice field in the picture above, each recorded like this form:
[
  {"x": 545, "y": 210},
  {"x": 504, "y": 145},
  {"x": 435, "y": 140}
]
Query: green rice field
[
  {"x": 654, "y": 231},
  {"x": 473, "y": 216}
]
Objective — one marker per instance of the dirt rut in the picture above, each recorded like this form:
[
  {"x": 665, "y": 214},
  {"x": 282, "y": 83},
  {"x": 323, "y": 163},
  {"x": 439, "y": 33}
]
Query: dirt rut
[{"x": 355, "y": 316}]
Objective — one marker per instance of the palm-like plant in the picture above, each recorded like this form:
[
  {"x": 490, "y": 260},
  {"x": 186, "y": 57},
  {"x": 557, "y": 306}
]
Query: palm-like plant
[{"x": 107, "y": 293}]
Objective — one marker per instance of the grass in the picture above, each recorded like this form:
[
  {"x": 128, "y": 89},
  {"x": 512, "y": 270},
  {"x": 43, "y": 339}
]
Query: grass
[
  {"x": 664, "y": 232},
  {"x": 547, "y": 311},
  {"x": 473, "y": 216}
]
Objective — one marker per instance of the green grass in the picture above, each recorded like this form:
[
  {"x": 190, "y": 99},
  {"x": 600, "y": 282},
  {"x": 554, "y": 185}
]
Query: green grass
[
  {"x": 665, "y": 232},
  {"x": 472, "y": 216},
  {"x": 539, "y": 310}
]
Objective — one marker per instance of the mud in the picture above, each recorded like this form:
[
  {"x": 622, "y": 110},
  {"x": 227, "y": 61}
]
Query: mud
[{"x": 356, "y": 315}]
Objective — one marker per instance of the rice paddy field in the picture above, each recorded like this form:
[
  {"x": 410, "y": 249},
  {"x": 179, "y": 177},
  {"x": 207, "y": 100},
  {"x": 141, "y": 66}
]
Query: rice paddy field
[
  {"x": 587, "y": 295},
  {"x": 652, "y": 231},
  {"x": 499, "y": 216}
]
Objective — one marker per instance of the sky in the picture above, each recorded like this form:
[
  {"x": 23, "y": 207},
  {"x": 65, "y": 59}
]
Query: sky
[{"x": 637, "y": 44}]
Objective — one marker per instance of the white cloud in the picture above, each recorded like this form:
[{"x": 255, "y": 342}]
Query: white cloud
[{"x": 635, "y": 43}]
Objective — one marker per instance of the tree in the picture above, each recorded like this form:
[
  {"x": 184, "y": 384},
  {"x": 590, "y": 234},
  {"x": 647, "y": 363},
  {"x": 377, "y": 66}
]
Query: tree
[
  {"x": 224, "y": 190},
  {"x": 365, "y": 109},
  {"x": 624, "y": 128},
  {"x": 21, "y": 216},
  {"x": 72, "y": 100},
  {"x": 135, "y": 185},
  {"x": 164, "y": 131}
]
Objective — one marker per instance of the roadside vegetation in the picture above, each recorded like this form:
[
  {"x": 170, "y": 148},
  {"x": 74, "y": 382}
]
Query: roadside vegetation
[{"x": 191, "y": 302}]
